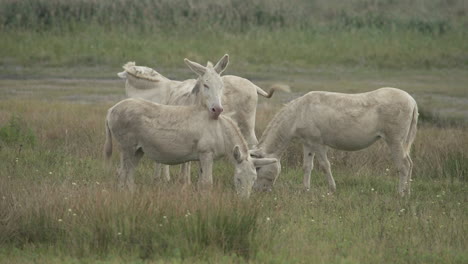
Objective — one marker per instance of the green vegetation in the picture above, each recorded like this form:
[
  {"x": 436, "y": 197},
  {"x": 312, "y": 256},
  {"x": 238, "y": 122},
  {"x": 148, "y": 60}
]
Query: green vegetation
[
  {"x": 258, "y": 34},
  {"x": 16, "y": 132}
]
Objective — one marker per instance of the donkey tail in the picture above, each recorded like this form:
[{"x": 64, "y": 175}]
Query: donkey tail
[
  {"x": 412, "y": 130},
  {"x": 273, "y": 88},
  {"x": 108, "y": 143}
]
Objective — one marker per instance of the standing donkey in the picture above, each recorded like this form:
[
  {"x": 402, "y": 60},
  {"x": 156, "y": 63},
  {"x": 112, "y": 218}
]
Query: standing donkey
[
  {"x": 177, "y": 134},
  {"x": 345, "y": 122},
  {"x": 239, "y": 99}
]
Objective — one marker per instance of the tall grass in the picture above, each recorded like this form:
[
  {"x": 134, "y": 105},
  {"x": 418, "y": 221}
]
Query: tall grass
[
  {"x": 98, "y": 220},
  {"x": 261, "y": 33},
  {"x": 434, "y": 16}
]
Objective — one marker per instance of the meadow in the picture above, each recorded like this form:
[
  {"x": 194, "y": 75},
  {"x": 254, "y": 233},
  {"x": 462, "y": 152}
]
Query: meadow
[{"x": 59, "y": 59}]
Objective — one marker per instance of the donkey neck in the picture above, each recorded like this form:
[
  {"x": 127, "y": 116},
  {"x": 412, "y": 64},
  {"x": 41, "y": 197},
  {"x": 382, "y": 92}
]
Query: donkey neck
[
  {"x": 232, "y": 137},
  {"x": 280, "y": 131}
]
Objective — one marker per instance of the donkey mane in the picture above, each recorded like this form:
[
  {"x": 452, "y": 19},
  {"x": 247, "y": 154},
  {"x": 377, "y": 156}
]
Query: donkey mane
[
  {"x": 277, "y": 123},
  {"x": 234, "y": 128},
  {"x": 144, "y": 73}
]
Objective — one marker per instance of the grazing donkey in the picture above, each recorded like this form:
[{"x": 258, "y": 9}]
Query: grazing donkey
[
  {"x": 239, "y": 99},
  {"x": 341, "y": 121},
  {"x": 177, "y": 134}
]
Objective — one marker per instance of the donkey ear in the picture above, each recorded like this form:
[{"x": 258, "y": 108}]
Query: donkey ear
[
  {"x": 263, "y": 162},
  {"x": 195, "y": 67},
  {"x": 222, "y": 64},
  {"x": 256, "y": 153},
  {"x": 237, "y": 154}
]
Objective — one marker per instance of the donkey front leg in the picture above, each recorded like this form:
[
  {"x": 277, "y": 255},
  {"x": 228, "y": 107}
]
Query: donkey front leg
[
  {"x": 206, "y": 170},
  {"x": 308, "y": 165},
  {"x": 161, "y": 170},
  {"x": 325, "y": 164}
]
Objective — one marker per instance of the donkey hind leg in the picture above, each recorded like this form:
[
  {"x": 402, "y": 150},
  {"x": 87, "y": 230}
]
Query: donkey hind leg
[
  {"x": 325, "y": 164},
  {"x": 404, "y": 165},
  {"x": 166, "y": 173},
  {"x": 307, "y": 165},
  {"x": 129, "y": 159},
  {"x": 408, "y": 190},
  {"x": 161, "y": 170}
]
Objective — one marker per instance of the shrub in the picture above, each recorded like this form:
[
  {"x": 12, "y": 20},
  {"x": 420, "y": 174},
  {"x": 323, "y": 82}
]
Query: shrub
[{"x": 16, "y": 131}]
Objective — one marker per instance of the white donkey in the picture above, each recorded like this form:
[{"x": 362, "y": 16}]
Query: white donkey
[
  {"x": 239, "y": 99},
  {"x": 341, "y": 121},
  {"x": 177, "y": 134}
]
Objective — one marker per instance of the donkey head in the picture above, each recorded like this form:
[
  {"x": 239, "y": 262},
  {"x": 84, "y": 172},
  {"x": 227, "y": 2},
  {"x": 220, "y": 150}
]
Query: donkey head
[
  {"x": 266, "y": 175},
  {"x": 245, "y": 170},
  {"x": 210, "y": 84}
]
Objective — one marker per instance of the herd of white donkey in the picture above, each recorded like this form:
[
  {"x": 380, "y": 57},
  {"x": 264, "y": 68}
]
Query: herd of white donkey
[{"x": 175, "y": 122}]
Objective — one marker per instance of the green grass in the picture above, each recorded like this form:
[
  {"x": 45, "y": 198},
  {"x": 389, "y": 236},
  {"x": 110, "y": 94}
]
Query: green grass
[
  {"x": 254, "y": 50},
  {"x": 59, "y": 204},
  {"x": 258, "y": 35}
]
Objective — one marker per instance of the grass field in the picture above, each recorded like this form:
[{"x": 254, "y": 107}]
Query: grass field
[
  {"x": 58, "y": 65},
  {"x": 259, "y": 34},
  {"x": 59, "y": 204}
]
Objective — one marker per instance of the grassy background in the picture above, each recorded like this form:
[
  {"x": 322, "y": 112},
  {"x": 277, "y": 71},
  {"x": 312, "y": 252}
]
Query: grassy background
[
  {"x": 260, "y": 35},
  {"x": 58, "y": 61}
]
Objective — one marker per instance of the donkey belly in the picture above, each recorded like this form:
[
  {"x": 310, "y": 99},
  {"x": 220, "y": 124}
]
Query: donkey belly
[
  {"x": 351, "y": 143},
  {"x": 168, "y": 156},
  {"x": 353, "y": 128},
  {"x": 169, "y": 150}
]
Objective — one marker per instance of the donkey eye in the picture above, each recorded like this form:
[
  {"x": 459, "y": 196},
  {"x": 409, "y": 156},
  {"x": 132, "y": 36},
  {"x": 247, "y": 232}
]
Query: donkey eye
[{"x": 206, "y": 86}]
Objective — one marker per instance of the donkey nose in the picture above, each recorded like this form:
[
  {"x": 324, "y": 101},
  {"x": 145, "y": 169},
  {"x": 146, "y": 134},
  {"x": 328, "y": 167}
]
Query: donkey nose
[{"x": 217, "y": 110}]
